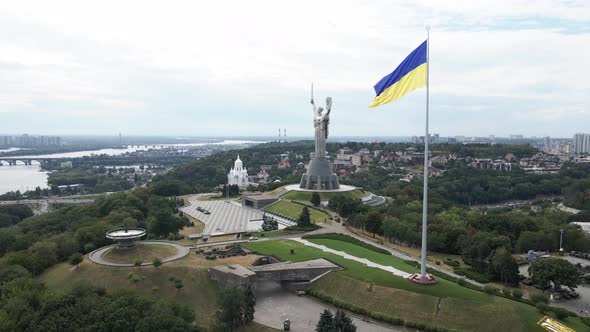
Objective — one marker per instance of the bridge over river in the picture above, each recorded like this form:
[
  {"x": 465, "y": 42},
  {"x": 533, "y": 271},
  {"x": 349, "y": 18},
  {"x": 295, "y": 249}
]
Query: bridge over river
[{"x": 12, "y": 161}]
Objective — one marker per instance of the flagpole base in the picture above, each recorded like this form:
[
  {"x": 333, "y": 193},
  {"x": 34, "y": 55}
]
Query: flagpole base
[{"x": 417, "y": 278}]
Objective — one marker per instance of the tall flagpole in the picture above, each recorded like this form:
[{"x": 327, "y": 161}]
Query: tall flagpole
[{"x": 423, "y": 275}]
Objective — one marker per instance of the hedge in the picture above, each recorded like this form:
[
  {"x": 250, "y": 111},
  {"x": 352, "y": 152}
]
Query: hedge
[
  {"x": 346, "y": 238},
  {"x": 472, "y": 274}
]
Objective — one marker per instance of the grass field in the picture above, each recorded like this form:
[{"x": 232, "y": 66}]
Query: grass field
[
  {"x": 358, "y": 251},
  {"x": 198, "y": 292},
  {"x": 445, "y": 304},
  {"x": 144, "y": 252},
  {"x": 197, "y": 228},
  {"x": 306, "y": 195},
  {"x": 281, "y": 249},
  {"x": 432, "y": 256},
  {"x": 293, "y": 210}
]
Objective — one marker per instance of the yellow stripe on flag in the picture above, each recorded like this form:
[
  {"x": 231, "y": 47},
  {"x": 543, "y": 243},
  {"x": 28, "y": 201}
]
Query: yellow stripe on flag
[{"x": 410, "y": 82}]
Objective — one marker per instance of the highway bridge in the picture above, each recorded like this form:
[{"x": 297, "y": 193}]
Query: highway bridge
[{"x": 13, "y": 161}]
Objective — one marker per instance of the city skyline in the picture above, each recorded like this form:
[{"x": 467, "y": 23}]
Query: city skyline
[{"x": 498, "y": 69}]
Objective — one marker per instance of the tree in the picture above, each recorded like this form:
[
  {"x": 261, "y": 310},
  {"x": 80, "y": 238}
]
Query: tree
[
  {"x": 374, "y": 222},
  {"x": 231, "y": 313},
  {"x": 315, "y": 199},
  {"x": 304, "y": 218},
  {"x": 343, "y": 322},
  {"x": 249, "y": 303},
  {"x": 505, "y": 267},
  {"x": 560, "y": 272},
  {"x": 326, "y": 322},
  {"x": 157, "y": 262},
  {"x": 76, "y": 259}
]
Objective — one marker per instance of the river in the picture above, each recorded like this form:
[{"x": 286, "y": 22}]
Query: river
[{"x": 28, "y": 177}]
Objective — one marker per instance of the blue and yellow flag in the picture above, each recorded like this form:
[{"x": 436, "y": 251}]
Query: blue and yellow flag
[{"x": 408, "y": 76}]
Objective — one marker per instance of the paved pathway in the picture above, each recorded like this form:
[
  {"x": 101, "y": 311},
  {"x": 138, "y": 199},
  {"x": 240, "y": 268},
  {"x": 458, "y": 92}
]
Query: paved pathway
[
  {"x": 365, "y": 261},
  {"x": 97, "y": 255}
]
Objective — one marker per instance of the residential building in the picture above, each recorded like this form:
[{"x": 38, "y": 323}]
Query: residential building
[{"x": 582, "y": 143}]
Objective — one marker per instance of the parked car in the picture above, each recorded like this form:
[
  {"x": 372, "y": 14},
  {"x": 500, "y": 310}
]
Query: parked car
[{"x": 253, "y": 238}]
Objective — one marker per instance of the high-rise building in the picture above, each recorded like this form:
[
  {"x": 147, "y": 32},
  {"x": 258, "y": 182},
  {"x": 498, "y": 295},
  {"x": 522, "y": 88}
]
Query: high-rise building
[
  {"x": 547, "y": 146},
  {"x": 582, "y": 143}
]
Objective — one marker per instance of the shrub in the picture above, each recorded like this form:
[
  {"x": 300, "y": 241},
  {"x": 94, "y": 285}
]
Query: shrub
[
  {"x": 137, "y": 262},
  {"x": 155, "y": 289},
  {"x": 452, "y": 263},
  {"x": 461, "y": 282},
  {"x": 542, "y": 307},
  {"x": 157, "y": 262},
  {"x": 517, "y": 293},
  {"x": 561, "y": 313},
  {"x": 347, "y": 238},
  {"x": 410, "y": 324},
  {"x": 437, "y": 262},
  {"x": 491, "y": 290},
  {"x": 540, "y": 298},
  {"x": 472, "y": 274}
]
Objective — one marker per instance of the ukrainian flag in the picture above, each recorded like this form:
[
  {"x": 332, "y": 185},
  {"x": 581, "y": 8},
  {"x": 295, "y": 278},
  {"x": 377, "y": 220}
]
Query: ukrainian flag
[{"x": 407, "y": 77}]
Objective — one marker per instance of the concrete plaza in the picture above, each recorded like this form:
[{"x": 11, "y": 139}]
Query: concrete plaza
[{"x": 227, "y": 216}]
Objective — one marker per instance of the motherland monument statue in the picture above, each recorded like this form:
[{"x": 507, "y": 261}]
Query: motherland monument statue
[{"x": 319, "y": 175}]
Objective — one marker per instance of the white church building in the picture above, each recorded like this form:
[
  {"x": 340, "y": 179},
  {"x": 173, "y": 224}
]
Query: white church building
[{"x": 238, "y": 174}]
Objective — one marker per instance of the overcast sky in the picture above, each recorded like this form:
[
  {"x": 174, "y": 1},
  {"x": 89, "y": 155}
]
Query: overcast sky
[{"x": 203, "y": 68}]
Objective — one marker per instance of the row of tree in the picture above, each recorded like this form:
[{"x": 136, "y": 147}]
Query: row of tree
[{"x": 26, "y": 305}]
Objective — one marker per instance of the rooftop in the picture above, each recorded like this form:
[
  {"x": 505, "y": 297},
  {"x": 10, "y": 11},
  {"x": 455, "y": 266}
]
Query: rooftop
[
  {"x": 234, "y": 269},
  {"x": 311, "y": 264}
]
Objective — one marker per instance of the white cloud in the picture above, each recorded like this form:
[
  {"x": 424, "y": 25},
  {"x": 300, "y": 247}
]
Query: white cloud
[{"x": 99, "y": 55}]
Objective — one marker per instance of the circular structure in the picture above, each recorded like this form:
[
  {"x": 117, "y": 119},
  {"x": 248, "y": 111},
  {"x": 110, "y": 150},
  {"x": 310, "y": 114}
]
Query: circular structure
[
  {"x": 125, "y": 237},
  {"x": 429, "y": 279},
  {"x": 342, "y": 188},
  {"x": 98, "y": 255}
]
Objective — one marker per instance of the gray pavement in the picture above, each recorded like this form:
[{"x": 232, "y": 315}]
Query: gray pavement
[
  {"x": 97, "y": 255},
  {"x": 275, "y": 304},
  {"x": 227, "y": 216}
]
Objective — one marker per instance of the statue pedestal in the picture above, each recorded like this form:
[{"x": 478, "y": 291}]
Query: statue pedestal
[{"x": 319, "y": 176}]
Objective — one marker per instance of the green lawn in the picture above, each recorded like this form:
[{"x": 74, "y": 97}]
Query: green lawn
[
  {"x": 144, "y": 252},
  {"x": 306, "y": 195},
  {"x": 371, "y": 255},
  {"x": 293, "y": 210},
  {"x": 281, "y": 249},
  {"x": 444, "y": 304}
]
